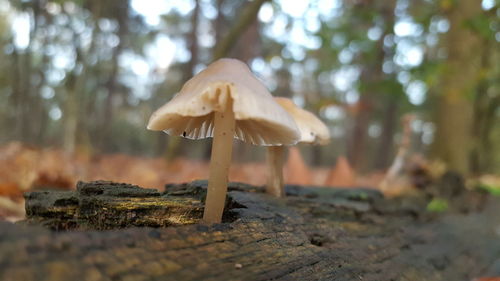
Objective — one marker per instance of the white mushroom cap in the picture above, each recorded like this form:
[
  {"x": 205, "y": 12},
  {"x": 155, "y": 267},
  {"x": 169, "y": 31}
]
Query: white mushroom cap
[
  {"x": 259, "y": 119},
  {"x": 312, "y": 130}
]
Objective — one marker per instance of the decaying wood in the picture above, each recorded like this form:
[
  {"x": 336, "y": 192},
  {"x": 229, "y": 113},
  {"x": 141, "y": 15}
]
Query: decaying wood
[
  {"x": 106, "y": 205},
  {"x": 313, "y": 234}
]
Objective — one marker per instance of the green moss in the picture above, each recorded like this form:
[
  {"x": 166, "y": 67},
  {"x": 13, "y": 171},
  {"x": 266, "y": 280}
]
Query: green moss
[
  {"x": 437, "y": 205},
  {"x": 492, "y": 189}
]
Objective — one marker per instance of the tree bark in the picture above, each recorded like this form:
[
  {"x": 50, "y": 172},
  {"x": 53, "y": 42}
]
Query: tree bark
[
  {"x": 112, "y": 83},
  {"x": 70, "y": 120},
  {"x": 313, "y": 234},
  {"x": 246, "y": 49},
  {"x": 174, "y": 146},
  {"x": 27, "y": 100},
  {"x": 74, "y": 84},
  {"x": 371, "y": 76},
  {"x": 193, "y": 42},
  {"x": 486, "y": 102},
  {"x": 248, "y": 16},
  {"x": 357, "y": 143},
  {"x": 458, "y": 81},
  {"x": 219, "y": 22},
  {"x": 70, "y": 110},
  {"x": 224, "y": 46},
  {"x": 17, "y": 94},
  {"x": 386, "y": 142}
]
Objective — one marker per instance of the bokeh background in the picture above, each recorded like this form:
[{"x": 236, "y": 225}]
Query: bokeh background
[{"x": 79, "y": 80}]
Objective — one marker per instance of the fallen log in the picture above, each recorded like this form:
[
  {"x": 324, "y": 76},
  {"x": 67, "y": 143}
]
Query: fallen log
[{"x": 123, "y": 232}]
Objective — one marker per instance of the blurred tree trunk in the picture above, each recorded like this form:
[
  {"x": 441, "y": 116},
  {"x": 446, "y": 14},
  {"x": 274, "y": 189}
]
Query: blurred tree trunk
[
  {"x": 484, "y": 121},
  {"x": 37, "y": 70},
  {"x": 249, "y": 44},
  {"x": 391, "y": 101},
  {"x": 241, "y": 33},
  {"x": 247, "y": 48},
  {"x": 458, "y": 81},
  {"x": 371, "y": 77},
  {"x": 174, "y": 146},
  {"x": 192, "y": 40},
  {"x": 284, "y": 79},
  {"x": 72, "y": 86},
  {"x": 88, "y": 93},
  {"x": 27, "y": 74},
  {"x": 17, "y": 94},
  {"x": 220, "y": 27},
  {"x": 357, "y": 143},
  {"x": 76, "y": 106},
  {"x": 41, "y": 113},
  {"x": 27, "y": 100},
  {"x": 112, "y": 83},
  {"x": 486, "y": 102},
  {"x": 219, "y": 22},
  {"x": 242, "y": 23},
  {"x": 70, "y": 119},
  {"x": 386, "y": 141}
]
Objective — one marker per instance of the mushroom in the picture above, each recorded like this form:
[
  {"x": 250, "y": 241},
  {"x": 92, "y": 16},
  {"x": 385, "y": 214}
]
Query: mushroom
[
  {"x": 224, "y": 101},
  {"x": 312, "y": 131}
]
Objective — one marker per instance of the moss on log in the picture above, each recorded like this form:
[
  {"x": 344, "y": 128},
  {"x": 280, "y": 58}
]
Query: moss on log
[{"x": 106, "y": 205}]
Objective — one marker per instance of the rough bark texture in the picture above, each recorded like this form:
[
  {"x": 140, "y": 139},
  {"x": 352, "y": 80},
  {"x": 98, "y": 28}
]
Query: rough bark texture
[
  {"x": 107, "y": 205},
  {"x": 313, "y": 234}
]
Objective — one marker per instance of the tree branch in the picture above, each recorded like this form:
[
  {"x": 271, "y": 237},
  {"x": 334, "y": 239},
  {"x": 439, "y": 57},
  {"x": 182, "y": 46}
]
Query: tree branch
[{"x": 247, "y": 17}]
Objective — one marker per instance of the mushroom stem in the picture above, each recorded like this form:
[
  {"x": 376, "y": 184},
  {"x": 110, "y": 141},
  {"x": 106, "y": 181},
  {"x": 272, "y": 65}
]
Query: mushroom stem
[
  {"x": 275, "y": 161},
  {"x": 220, "y": 160}
]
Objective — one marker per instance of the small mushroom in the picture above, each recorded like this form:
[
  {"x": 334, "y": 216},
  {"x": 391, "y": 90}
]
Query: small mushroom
[
  {"x": 224, "y": 101},
  {"x": 312, "y": 131}
]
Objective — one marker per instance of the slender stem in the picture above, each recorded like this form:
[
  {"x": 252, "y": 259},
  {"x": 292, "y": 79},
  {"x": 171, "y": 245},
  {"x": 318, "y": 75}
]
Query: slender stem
[
  {"x": 275, "y": 161},
  {"x": 222, "y": 147}
]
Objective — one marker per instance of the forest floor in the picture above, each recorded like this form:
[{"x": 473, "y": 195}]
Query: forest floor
[
  {"x": 27, "y": 168},
  {"x": 107, "y": 231}
]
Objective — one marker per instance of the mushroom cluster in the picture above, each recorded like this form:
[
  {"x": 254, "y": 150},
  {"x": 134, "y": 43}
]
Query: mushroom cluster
[{"x": 225, "y": 101}]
